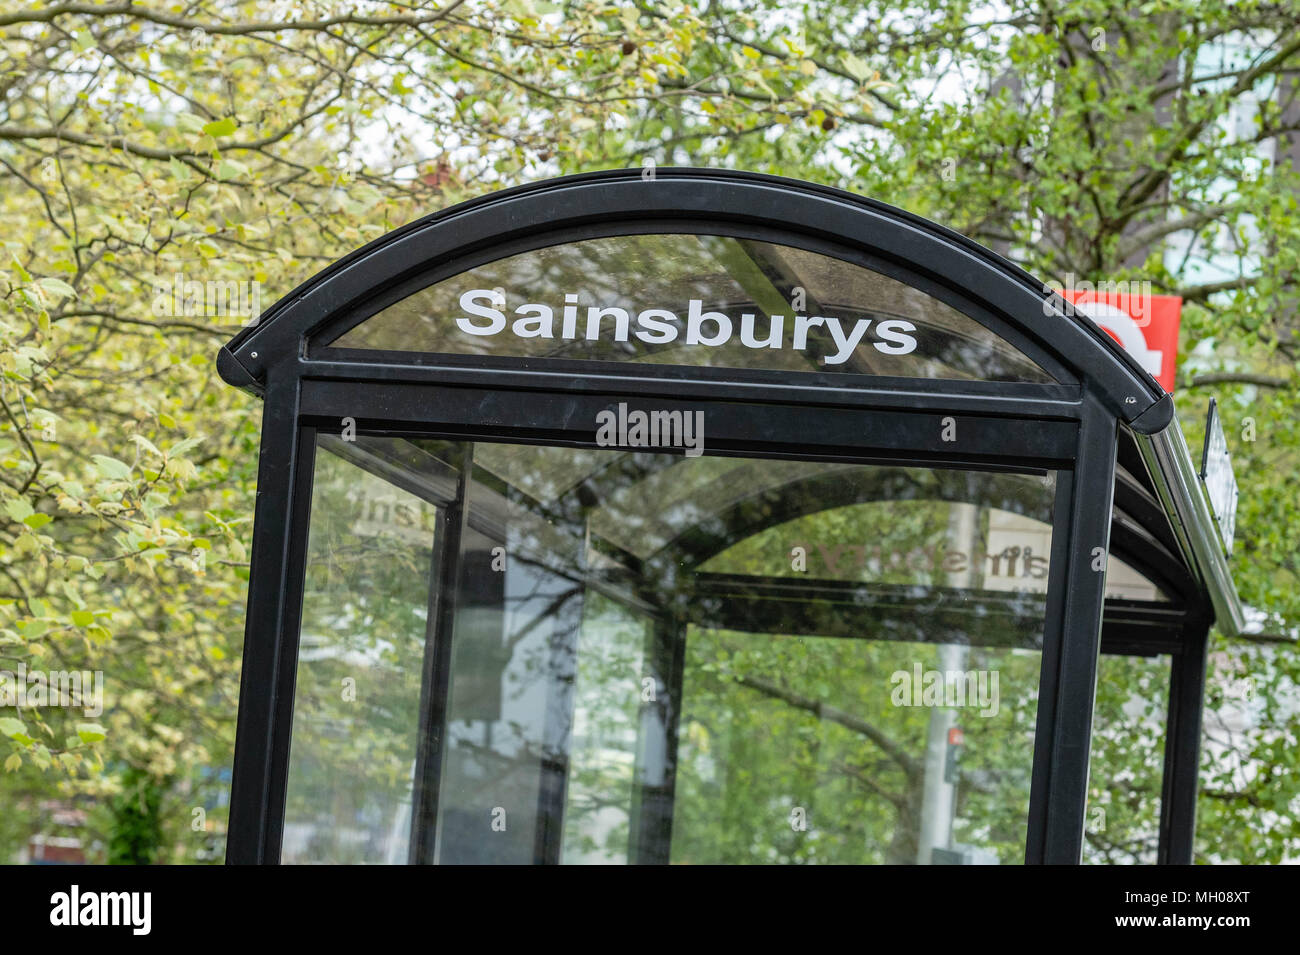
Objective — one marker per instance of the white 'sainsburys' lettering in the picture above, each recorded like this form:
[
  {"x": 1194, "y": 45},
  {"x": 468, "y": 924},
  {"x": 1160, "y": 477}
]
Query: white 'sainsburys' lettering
[{"x": 485, "y": 313}]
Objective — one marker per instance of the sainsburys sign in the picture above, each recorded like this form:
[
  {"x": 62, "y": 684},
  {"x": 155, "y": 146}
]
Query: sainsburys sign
[{"x": 660, "y": 326}]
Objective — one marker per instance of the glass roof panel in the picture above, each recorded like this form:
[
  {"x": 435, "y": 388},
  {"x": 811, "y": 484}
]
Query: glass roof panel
[
  {"x": 695, "y": 300},
  {"x": 656, "y": 496}
]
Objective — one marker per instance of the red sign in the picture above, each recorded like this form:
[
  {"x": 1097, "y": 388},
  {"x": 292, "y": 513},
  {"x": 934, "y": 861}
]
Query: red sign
[
  {"x": 1145, "y": 325},
  {"x": 955, "y": 736}
]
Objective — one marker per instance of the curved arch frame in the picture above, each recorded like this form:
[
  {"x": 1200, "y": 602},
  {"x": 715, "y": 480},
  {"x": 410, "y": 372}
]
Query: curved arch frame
[
  {"x": 1071, "y": 427},
  {"x": 622, "y": 202}
]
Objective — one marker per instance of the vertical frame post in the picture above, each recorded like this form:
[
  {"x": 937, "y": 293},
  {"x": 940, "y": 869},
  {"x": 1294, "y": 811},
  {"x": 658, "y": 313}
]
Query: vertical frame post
[
  {"x": 1072, "y": 644},
  {"x": 651, "y": 828},
  {"x": 274, "y": 610},
  {"x": 435, "y": 681},
  {"x": 1183, "y": 748}
]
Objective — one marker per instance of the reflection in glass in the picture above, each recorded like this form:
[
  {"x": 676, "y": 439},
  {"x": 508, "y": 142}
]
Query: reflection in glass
[
  {"x": 793, "y": 750},
  {"x": 645, "y": 657},
  {"x": 357, "y": 700},
  {"x": 631, "y": 298},
  {"x": 1126, "y": 772}
]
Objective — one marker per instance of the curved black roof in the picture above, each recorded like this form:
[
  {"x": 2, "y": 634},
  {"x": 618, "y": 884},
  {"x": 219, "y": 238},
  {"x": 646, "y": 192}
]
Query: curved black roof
[{"x": 714, "y": 195}]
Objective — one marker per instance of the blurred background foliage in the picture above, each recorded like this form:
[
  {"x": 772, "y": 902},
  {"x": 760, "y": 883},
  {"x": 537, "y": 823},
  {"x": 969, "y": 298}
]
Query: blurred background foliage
[{"x": 142, "y": 143}]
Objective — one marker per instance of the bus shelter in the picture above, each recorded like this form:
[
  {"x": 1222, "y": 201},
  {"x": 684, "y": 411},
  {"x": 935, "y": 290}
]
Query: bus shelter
[{"x": 702, "y": 517}]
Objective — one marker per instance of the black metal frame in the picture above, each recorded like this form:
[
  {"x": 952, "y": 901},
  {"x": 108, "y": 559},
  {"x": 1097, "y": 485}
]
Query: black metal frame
[{"x": 1072, "y": 427}]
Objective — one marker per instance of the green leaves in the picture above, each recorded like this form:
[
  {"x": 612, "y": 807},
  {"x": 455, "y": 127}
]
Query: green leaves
[
  {"x": 18, "y": 508},
  {"x": 230, "y": 169},
  {"x": 190, "y": 123},
  {"x": 91, "y": 733},
  {"x": 220, "y": 127},
  {"x": 856, "y": 67},
  {"x": 180, "y": 447},
  {"x": 22, "y": 273},
  {"x": 112, "y": 468},
  {"x": 145, "y": 445},
  {"x": 56, "y": 288}
]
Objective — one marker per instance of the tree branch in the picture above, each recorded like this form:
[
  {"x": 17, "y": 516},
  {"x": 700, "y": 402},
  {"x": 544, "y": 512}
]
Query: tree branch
[
  {"x": 910, "y": 764},
  {"x": 1237, "y": 378},
  {"x": 129, "y": 9}
]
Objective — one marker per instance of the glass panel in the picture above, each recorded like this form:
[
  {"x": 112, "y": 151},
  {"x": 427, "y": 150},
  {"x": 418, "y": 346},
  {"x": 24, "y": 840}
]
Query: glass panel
[
  {"x": 1128, "y": 758},
  {"x": 698, "y": 300},
  {"x": 796, "y": 750},
  {"x": 1125, "y": 583},
  {"x": 655, "y": 657},
  {"x": 357, "y": 700},
  {"x": 1014, "y": 554},
  {"x": 602, "y": 756}
]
